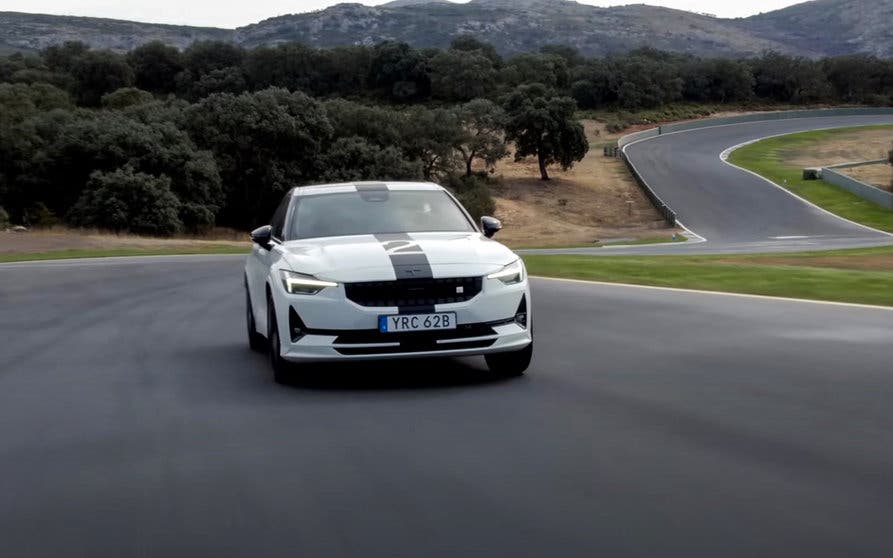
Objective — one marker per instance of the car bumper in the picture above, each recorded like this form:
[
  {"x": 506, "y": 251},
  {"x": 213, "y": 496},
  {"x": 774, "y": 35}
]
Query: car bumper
[{"x": 333, "y": 328}]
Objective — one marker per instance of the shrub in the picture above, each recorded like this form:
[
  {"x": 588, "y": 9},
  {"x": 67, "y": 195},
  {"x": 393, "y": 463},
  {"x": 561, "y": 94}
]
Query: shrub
[
  {"x": 125, "y": 200},
  {"x": 355, "y": 159},
  {"x": 39, "y": 215},
  {"x": 4, "y": 218},
  {"x": 126, "y": 97},
  {"x": 473, "y": 192}
]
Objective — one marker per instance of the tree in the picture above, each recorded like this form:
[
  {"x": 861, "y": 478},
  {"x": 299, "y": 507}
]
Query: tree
[
  {"x": 717, "y": 80},
  {"x": 473, "y": 193},
  {"x": 126, "y": 97},
  {"x": 355, "y": 159},
  {"x": 62, "y": 58},
  {"x": 430, "y": 135},
  {"x": 483, "y": 123},
  {"x": 570, "y": 54},
  {"x": 470, "y": 43},
  {"x": 399, "y": 72},
  {"x": 221, "y": 80},
  {"x": 264, "y": 142},
  {"x": 377, "y": 125},
  {"x": 202, "y": 57},
  {"x": 50, "y": 157},
  {"x": 461, "y": 76},
  {"x": 19, "y": 101},
  {"x": 98, "y": 72},
  {"x": 548, "y": 69},
  {"x": 541, "y": 123},
  {"x": 789, "y": 80},
  {"x": 155, "y": 66},
  {"x": 125, "y": 200}
]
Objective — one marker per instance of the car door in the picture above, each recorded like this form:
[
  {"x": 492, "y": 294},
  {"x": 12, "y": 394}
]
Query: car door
[{"x": 262, "y": 259}]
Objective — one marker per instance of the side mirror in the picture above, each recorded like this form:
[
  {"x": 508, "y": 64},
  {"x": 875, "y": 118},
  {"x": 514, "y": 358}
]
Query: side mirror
[
  {"x": 262, "y": 236},
  {"x": 490, "y": 226}
]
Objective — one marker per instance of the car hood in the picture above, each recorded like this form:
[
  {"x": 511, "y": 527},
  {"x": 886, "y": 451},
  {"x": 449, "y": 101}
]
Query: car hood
[{"x": 382, "y": 257}]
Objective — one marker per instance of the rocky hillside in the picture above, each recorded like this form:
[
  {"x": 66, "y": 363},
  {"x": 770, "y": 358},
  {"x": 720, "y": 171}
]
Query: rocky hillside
[
  {"x": 513, "y": 26},
  {"x": 20, "y": 31},
  {"x": 831, "y": 26}
]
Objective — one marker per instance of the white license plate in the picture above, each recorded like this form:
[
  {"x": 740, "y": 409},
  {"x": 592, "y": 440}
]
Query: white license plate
[{"x": 417, "y": 322}]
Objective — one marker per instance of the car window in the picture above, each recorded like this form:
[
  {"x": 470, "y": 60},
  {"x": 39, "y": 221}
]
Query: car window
[
  {"x": 278, "y": 221},
  {"x": 353, "y": 213}
]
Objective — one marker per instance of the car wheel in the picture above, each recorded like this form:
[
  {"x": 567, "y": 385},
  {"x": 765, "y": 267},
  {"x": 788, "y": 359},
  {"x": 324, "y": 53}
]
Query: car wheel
[
  {"x": 513, "y": 363},
  {"x": 281, "y": 367},
  {"x": 256, "y": 341}
]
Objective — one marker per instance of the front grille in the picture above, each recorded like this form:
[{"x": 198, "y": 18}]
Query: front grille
[
  {"x": 418, "y": 347},
  {"x": 414, "y": 292},
  {"x": 368, "y": 336}
]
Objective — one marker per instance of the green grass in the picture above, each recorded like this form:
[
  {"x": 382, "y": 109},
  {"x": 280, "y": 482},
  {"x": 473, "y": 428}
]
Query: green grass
[
  {"x": 637, "y": 242},
  {"x": 648, "y": 240},
  {"x": 766, "y": 158},
  {"x": 739, "y": 274},
  {"x": 114, "y": 252}
]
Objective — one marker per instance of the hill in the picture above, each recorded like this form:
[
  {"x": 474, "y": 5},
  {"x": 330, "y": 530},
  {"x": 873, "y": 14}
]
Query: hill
[
  {"x": 817, "y": 28},
  {"x": 19, "y": 31},
  {"x": 852, "y": 26}
]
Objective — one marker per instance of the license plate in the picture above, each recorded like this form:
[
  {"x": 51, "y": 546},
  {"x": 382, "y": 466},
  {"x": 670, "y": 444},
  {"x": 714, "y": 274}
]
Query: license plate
[{"x": 417, "y": 322}]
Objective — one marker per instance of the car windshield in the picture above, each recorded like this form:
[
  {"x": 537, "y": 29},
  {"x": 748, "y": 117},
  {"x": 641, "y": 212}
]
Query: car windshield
[{"x": 376, "y": 212}]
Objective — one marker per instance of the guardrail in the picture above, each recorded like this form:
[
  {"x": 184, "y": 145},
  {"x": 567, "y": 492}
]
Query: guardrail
[
  {"x": 861, "y": 189},
  {"x": 665, "y": 210},
  {"x": 858, "y": 164},
  {"x": 658, "y": 203}
]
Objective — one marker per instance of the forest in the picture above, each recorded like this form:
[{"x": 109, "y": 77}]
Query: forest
[{"x": 161, "y": 141}]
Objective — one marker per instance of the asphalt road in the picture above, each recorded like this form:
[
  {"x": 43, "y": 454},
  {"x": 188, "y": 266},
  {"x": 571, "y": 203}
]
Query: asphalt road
[
  {"x": 134, "y": 421},
  {"x": 735, "y": 211}
]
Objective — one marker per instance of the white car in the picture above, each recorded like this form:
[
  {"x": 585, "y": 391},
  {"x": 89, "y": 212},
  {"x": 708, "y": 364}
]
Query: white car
[{"x": 383, "y": 271}]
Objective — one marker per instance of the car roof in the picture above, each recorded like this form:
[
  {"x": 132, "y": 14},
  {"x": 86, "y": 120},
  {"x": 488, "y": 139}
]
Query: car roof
[{"x": 318, "y": 189}]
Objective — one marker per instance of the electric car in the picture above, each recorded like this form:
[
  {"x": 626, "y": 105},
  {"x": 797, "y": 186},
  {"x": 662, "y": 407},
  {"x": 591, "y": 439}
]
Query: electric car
[{"x": 371, "y": 271}]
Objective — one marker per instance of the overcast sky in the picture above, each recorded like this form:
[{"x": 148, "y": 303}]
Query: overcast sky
[{"x": 215, "y": 13}]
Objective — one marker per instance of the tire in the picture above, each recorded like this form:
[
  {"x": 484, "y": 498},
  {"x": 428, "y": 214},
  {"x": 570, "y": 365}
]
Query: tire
[
  {"x": 510, "y": 364},
  {"x": 281, "y": 367},
  {"x": 256, "y": 341}
]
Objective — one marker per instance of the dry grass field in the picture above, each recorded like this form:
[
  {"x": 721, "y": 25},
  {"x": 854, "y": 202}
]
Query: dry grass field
[
  {"x": 850, "y": 146},
  {"x": 597, "y": 200}
]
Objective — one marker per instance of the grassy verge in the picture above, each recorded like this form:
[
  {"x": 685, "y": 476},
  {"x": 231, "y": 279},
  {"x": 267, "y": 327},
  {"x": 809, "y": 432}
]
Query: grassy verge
[
  {"x": 637, "y": 242},
  {"x": 862, "y": 276},
  {"x": 766, "y": 157},
  {"x": 113, "y": 252}
]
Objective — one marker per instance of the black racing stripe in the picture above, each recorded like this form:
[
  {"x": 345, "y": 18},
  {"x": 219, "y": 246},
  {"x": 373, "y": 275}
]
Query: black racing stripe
[
  {"x": 389, "y": 237},
  {"x": 371, "y": 187},
  {"x": 409, "y": 262}
]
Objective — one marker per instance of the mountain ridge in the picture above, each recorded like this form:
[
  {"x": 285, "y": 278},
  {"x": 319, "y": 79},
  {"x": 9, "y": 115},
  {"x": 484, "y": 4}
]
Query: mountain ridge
[{"x": 813, "y": 29}]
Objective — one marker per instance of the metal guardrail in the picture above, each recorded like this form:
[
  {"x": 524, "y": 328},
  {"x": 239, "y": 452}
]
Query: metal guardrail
[
  {"x": 658, "y": 203},
  {"x": 665, "y": 210},
  {"x": 861, "y": 189},
  {"x": 858, "y": 164}
]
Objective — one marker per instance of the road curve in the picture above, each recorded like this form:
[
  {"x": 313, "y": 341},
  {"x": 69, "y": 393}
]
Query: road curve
[
  {"x": 135, "y": 421},
  {"x": 736, "y": 211}
]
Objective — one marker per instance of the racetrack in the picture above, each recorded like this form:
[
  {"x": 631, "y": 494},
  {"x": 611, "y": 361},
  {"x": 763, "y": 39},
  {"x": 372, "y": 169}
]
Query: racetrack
[
  {"x": 135, "y": 421},
  {"x": 735, "y": 211}
]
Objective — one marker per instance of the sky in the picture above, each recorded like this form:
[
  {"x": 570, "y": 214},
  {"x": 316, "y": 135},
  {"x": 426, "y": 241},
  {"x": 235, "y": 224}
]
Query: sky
[{"x": 214, "y": 13}]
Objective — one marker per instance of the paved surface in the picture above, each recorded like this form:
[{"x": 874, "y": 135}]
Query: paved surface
[
  {"x": 734, "y": 210},
  {"x": 135, "y": 422}
]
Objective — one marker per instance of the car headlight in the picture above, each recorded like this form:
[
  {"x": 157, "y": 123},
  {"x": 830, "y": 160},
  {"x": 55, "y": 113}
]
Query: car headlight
[
  {"x": 299, "y": 283},
  {"x": 511, "y": 274}
]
